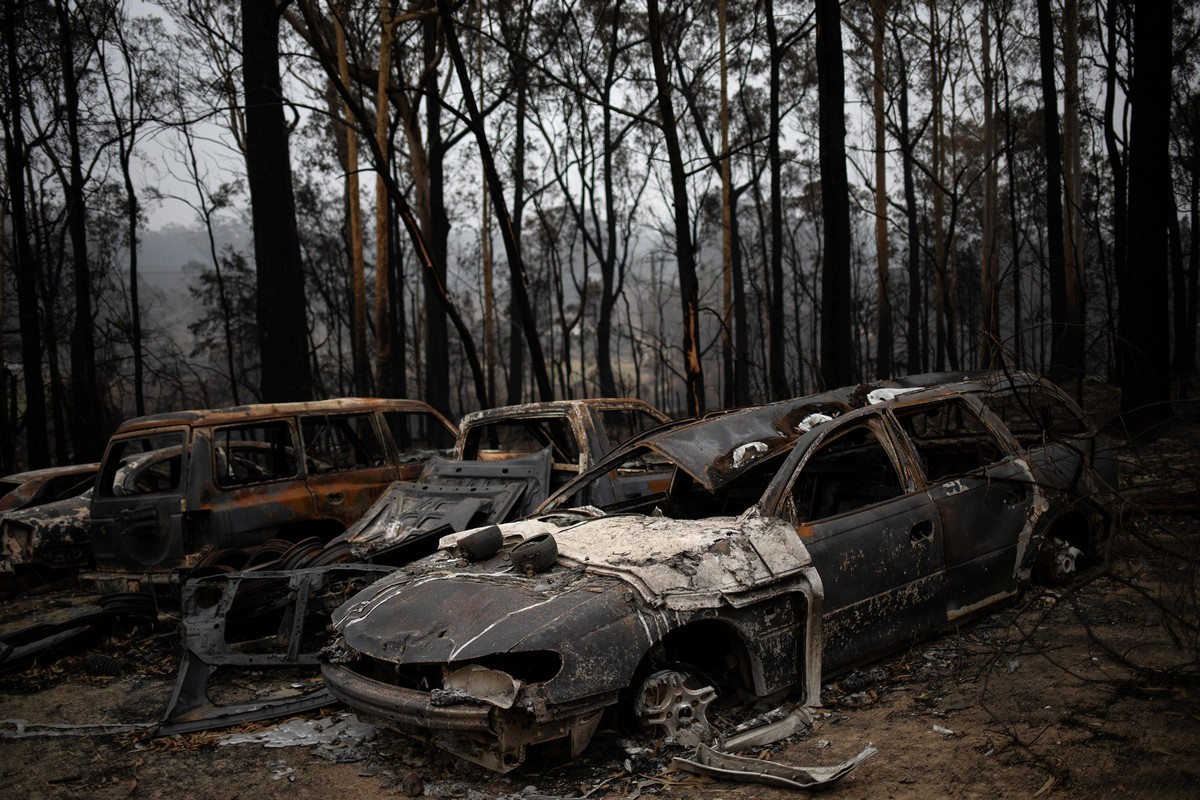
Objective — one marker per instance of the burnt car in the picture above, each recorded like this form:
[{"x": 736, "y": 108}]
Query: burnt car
[
  {"x": 55, "y": 535},
  {"x": 179, "y": 489},
  {"x": 39, "y": 510},
  {"x": 792, "y": 542},
  {"x": 506, "y": 461},
  {"x": 275, "y": 612},
  {"x": 25, "y": 489}
]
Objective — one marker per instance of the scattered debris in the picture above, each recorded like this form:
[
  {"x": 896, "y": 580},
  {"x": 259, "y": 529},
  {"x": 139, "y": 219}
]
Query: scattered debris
[
  {"x": 119, "y": 612},
  {"x": 766, "y": 729},
  {"x": 752, "y": 770},
  {"x": 339, "y": 738},
  {"x": 23, "y": 729}
]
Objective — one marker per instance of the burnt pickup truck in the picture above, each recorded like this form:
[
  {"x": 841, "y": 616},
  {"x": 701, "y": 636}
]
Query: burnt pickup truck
[
  {"x": 792, "y": 542},
  {"x": 505, "y": 462}
]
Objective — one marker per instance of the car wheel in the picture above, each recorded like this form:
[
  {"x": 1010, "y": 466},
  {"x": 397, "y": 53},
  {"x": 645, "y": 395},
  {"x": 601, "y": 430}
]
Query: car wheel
[
  {"x": 1056, "y": 565},
  {"x": 676, "y": 702}
]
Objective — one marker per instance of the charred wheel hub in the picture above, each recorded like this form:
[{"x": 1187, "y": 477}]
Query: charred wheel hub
[
  {"x": 677, "y": 703},
  {"x": 1058, "y": 561}
]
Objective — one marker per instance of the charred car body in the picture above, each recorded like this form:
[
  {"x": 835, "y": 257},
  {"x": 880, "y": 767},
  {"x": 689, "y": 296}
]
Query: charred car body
[
  {"x": 506, "y": 461},
  {"x": 792, "y": 542},
  {"x": 43, "y": 517},
  {"x": 176, "y": 488},
  {"x": 54, "y": 535},
  {"x": 25, "y": 489}
]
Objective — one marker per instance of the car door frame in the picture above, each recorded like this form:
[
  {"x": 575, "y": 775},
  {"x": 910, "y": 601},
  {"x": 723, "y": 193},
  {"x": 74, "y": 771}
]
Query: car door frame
[
  {"x": 863, "y": 620},
  {"x": 344, "y": 495},
  {"x": 985, "y": 514}
]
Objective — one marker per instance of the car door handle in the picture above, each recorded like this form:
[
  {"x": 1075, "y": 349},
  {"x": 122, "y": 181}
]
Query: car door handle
[
  {"x": 336, "y": 497},
  {"x": 921, "y": 531}
]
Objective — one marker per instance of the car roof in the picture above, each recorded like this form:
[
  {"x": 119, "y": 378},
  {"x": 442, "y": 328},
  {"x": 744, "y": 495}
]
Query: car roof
[
  {"x": 244, "y": 413},
  {"x": 707, "y": 449},
  {"x": 561, "y": 408},
  {"x": 50, "y": 472}
]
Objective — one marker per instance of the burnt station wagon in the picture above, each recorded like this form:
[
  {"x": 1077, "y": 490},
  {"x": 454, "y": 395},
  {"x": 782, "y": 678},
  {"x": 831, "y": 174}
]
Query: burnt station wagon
[
  {"x": 176, "y": 488},
  {"x": 792, "y": 542}
]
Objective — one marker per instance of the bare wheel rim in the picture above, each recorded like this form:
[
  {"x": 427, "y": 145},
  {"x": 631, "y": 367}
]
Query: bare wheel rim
[{"x": 676, "y": 703}]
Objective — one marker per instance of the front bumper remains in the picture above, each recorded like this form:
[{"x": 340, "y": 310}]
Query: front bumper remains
[{"x": 487, "y": 735}]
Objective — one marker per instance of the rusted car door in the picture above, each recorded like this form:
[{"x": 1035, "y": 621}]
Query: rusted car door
[
  {"x": 346, "y": 464},
  {"x": 983, "y": 497},
  {"x": 139, "y": 499},
  {"x": 875, "y": 537},
  {"x": 256, "y": 472}
]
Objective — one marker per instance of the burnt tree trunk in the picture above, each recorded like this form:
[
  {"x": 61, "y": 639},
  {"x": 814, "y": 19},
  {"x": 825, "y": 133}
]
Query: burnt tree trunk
[
  {"x": 1142, "y": 317},
  {"x": 1066, "y": 340},
  {"x": 437, "y": 231},
  {"x": 27, "y": 268},
  {"x": 281, "y": 311},
  {"x": 883, "y": 334},
  {"x": 776, "y": 349},
  {"x": 914, "y": 330},
  {"x": 87, "y": 432},
  {"x": 689, "y": 286},
  {"x": 837, "y": 352}
]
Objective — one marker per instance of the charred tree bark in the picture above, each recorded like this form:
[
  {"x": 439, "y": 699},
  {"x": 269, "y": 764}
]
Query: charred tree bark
[
  {"x": 281, "y": 309},
  {"x": 1179, "y": 296},
  {"x": 1185, "y": 272},
  {"x": 1074, "y": 297},
  {"x": 914, "y": 329},
  {"x": 384, "y": 380},
  {"x": 837, "y": 353},
  {"x": 516, "y": 344},
  {"x": 354, "y": 239},
  {"x": 611, "y": 284},
  {"x": 990, "y": 352},
  {"x": 1010, "y": 170},
  {"x": 942, "y": 330},
  {"x": 883, "y": 303},
  {"x": 437, "y": 230},
  {"x": 1116, "y": 165},
  {"x": 776, "y": 373},
  {"x": 1066, "y": 340},
  {"x": 1144, "y": 334}
]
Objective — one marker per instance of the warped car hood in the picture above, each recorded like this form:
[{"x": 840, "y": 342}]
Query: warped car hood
[
  {"x": 458, "y": 494},
  {"x": 610, "y": 570}
]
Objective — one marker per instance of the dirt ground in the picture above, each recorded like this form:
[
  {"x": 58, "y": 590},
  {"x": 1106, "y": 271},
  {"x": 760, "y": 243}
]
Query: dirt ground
[{"x": 1090, "y": 692}]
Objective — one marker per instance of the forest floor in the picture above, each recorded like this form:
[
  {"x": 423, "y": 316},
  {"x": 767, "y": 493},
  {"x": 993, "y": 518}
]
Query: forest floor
[{"x": 1090, "y": 692}]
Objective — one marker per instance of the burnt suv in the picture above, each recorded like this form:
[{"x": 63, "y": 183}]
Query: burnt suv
[
  {"x": 174, "y": 489},
  {"x": 792, "y": 542}
]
